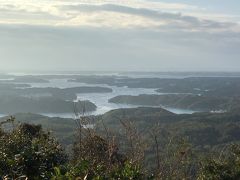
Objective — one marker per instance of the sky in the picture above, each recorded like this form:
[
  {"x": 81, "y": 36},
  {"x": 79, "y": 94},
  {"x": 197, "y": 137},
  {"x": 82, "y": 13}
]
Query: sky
[{"x": 120, "y": 35}]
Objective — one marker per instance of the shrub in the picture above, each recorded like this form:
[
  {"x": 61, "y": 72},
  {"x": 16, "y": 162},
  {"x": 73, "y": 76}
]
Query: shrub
[
  {"x": 224, "y": 166},
  {"x": 27, "y": 151}
]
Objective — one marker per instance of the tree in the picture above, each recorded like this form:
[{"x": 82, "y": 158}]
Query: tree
[{"x": 27, "y": 151}]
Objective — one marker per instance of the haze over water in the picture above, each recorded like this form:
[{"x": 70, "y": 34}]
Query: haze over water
[{"x": 101, "y": 99}]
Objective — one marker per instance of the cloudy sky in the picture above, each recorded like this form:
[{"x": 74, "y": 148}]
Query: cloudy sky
[{"x": 120, "y": 35}]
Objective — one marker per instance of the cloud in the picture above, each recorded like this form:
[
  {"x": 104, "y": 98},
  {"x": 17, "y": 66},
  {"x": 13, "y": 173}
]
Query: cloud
[
  {"x": 110, "y": 14},
  {"x": 86, "y": 48},
  {"x": 137, "y": 4},
  {"x": 29, "y": 14},
  {"x": 114, "y": 35},
  {"x": 158, "y": 18}
]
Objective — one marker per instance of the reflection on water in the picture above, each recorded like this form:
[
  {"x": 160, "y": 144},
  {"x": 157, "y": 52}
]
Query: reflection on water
[
  {"x": 101, "y": 99},
  {"x": 179, "y": 111},
  {"x": 62, "y": 115},
  {"x": 2, "y": 115}
]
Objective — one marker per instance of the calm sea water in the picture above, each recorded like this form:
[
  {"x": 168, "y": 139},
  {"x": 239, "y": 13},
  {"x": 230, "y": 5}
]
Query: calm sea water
[
  {"x": 2, "y": 115},
  {"x": 101, "y": 99}
]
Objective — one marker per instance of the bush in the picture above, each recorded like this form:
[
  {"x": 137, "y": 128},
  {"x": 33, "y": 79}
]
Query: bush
[
  {"x": 83, "y": 171},
  {"x": 98, "y": 158},
  {"x": 27, "y": 151},
  {"x": 224, "y": 166}
]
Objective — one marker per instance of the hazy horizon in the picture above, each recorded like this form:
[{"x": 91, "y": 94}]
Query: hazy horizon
[{"x": 110, "y": 35}]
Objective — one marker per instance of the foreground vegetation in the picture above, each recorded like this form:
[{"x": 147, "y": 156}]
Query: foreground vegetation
[
  {"x": 28, "y": 152},
  {"x": 137, "y": 143}
]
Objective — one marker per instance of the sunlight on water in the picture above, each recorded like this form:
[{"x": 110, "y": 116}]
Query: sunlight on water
[
  {"x": 2, "y": 115},
  {"x": 101, "y": 99}
]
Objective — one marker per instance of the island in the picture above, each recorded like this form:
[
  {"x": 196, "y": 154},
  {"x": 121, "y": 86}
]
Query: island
[
  {"x": 182, "y": 101},
  {"x": 18, "y": 104}
]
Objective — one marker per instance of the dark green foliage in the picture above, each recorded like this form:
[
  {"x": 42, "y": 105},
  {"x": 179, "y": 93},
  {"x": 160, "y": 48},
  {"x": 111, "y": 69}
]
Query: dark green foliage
[
  {"x": 177, "y": 160},
  {"x": 26, "y": 150},
  {"x": 82, "y": 171},
  {"x": 95, "y": 157},
  {"x": 223, "y": 166},
  {"x": 203, "y": 130}
]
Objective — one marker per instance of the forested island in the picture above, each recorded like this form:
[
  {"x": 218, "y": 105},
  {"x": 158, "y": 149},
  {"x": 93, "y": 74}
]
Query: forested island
[
  {"x": 182, "y": 101},
  {"x": 21, "y": 97},
  {"x": 11, "y": 105},
  {"x": 219, "y": 86}
]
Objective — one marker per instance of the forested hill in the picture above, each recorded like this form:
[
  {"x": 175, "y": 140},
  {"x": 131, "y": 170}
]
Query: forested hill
[
  {"x": 140, "y": 143},
  {"x": 201, "y": 129}
]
